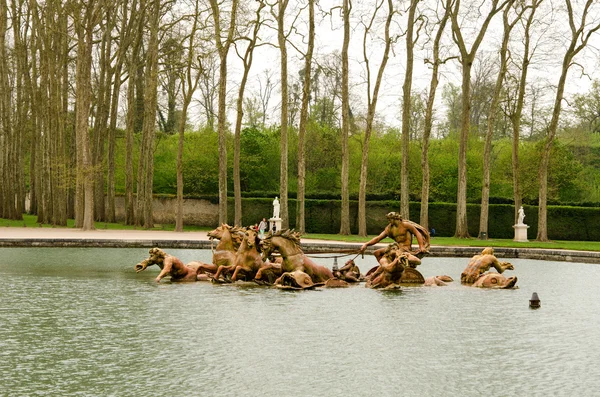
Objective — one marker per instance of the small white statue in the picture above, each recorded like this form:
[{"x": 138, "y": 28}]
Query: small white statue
[
  {"x": 521, "y": 217},
  {"x": 276, "y": 208}
]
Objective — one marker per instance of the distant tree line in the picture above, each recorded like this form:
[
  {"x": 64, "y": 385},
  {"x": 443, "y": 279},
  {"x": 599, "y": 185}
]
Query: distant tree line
[
  {"x": 98, "y": 98},
  {"x": 573, "y": 180}
]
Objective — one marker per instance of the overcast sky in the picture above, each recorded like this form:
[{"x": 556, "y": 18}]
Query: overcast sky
[{"x": 544, "y": 71}]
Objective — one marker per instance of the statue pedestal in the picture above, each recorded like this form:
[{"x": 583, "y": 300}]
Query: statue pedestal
[
  {"x": 521, "y": 232},
  {"x": 277, "y": 222}
]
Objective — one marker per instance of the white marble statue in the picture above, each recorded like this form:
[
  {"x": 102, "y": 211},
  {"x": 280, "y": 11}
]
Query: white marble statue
[
  {"x": 276, "y": 208},
  {"x": 521, "y": 217}
]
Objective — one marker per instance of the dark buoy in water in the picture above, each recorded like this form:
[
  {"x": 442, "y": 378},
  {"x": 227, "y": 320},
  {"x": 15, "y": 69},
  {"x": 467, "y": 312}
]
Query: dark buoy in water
[{"x": 534, "y": 302}]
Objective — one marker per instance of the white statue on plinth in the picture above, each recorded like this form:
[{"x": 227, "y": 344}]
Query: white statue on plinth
[
  {"x": 521, "y": 217},
  {"x": 520, "y": 227},
  {"x": 276, "y": 208}
]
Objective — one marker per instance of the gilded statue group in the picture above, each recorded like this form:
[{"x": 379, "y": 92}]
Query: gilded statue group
[{"x": 278, "y": 260}]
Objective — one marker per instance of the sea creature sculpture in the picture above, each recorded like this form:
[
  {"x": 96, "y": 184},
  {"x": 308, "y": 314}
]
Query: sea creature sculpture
[
  {"x": 296, "y": 280},
  {"x": 169, "y": 265},
  {"x": 480, "y": 264},
  {"x": 495, "y": 280},
  {"x": 437, "y": 281}
]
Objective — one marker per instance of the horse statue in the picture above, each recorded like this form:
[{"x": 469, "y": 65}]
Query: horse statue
[
  {"x": 169, "y": 265},
  {"x": 247, "y": 260},
  {"x": 224, "y": 253},
  {"x": 287, "y": 243}
]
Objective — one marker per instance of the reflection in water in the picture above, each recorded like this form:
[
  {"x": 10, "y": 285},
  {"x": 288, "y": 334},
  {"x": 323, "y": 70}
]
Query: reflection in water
[{"x": 82, "y": 322}]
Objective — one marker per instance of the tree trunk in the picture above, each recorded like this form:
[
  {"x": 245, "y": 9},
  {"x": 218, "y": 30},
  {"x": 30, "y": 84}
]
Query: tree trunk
[
  {"x": 34, "y": 98},
  {"x": 223, "y": 49},
  {"x": 491, "y": 124},
  {"x": 515, "y": 118},
  {"x": 283, "y": 143},
  {"x": 300, "y": 222},
  {"x": 179, "y": 217},
  {"x": 406, "y": 107},
  {"x": 462, "y": 227},
  {"x": 135, "y": 59},
  {"x": 188, "y": 87},
  {"x": 542, "y": 234},
  {"x": 579, "y": 40},
  {"x": 151, "y": 103},
  {"x": 345, "y": 215},
  {"x": 466, "y": 60},
  {"x": 110, "y": 177},
  {"x": 100, "y": 130},
  {"x": 424, "y": 215},
  {"x": 7, "y": 196},
  {"x": 372, "y": 100},
  {"x": 247, "y": 61},
  {"x": 85, "y": 28}
]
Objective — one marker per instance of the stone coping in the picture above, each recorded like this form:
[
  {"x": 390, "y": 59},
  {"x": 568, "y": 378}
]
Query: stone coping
[{"x": 309, "y": 247}]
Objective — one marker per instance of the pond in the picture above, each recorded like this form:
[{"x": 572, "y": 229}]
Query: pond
[{"x": 80, "y": 321}]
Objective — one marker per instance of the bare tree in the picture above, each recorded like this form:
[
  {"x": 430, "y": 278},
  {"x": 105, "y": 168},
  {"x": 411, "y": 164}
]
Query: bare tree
[
  {"x": 209, "y": 87},
  {"x": 493, "y": 112},
  {"x": 145, "y": 202},
  {"x": 85, "y": 18},
  {"x": 406, "y": 107},
  {"x": 372, "y": 104},
  {"x": 223, "y": 50},
  {"x": 435, "y": 62},
  {"x": 467, "y": 56},
  {"x": 126, "y": 37},
  {"x": 345, "y": 215},
  {"x": 265, "y": 90},
  {"x": 247, "y": 59},
  {"x": 171, "y": 54},
  {"x": 101, "y": 110},
  {"x": 300, "y": 221},
  {"x": 517, "y": 106},
  {"x": 49, "y": 61},
  {"x": 283, "y": 128},
  {"x": 134, "y": 63},
  {"x": 7, "y": 196},
  {"x": 189, "y": 83},
  {"x": 581, "y": 31}
]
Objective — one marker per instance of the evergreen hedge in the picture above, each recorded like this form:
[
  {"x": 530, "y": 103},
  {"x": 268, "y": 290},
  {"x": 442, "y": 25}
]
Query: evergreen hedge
[{"x": 323, "y": 216}]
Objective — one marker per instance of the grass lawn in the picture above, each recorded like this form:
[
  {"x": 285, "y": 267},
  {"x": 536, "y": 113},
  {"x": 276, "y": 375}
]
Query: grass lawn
[
  {"x": 473, "y": 242},
  {"x": 30, "y": 221}
]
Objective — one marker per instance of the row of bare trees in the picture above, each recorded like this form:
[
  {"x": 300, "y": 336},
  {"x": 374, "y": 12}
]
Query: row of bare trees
[{"x": 72, "y": 73}]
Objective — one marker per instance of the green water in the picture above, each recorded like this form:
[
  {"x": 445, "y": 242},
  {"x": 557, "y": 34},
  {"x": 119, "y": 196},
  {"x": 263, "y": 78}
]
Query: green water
[{"x": 81, "y": 322}]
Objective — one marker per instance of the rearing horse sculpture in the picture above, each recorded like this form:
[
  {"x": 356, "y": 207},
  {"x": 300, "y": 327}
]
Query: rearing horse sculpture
[
  {"x": 287, "y": 243},
  {"x": 247, "y": 260},
  {"x": 226, "y": 249}
]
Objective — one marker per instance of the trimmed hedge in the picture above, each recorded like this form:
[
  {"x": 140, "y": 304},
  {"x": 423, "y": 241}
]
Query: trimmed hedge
[{"x": 323, "y": 216}]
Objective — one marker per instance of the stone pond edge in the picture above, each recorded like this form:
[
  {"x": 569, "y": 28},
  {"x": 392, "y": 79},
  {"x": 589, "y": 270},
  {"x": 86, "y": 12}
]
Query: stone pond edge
[{"x": 309, "y": 248}]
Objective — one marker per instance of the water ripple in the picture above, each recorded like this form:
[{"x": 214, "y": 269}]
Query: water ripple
[{"x": 71, "y": 327}]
